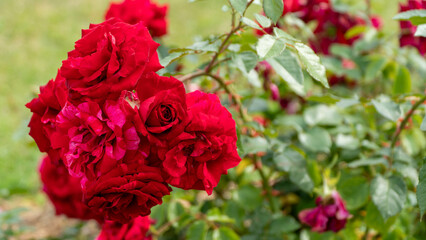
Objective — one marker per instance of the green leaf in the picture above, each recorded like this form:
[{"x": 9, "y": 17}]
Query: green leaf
[
  {"x": 354, "y": 190},
  {"x": 374, "y": 68},
  {"x": 416, "y": 17},
  {"x": 423, "y": 126},
  {"x": 249, "y": 197},
  {"x": 239, "y": 5},
  {"x": 389, "y": 110},
  {"x": 273, "y": 9},
  {"x": 289, "y": 159},
  {"x": 322, "y": 115},
  {"x": 368, "y": 162},
  {"x": 279, "y": 33},
  {"x": 246, "y": 61},
  {"x": 388, "y": 195},
  {"x": 421, "y": 190},
  {"x": 263, "y": 21},
  {"x": 215, "y": 215},
  {"x": 301, "y": 178},
  {"x": 347, "y": 141},
  {"x": 289, "y": 70},
  {"x": 329, "y": 99},
  {"x": 250, "y": 23},
  {"x": 283, "y": 224},
  {"x": 421, "y": 31},
  {"x": 254, "y": 145},
  {"x": 170, "y": 58},
  {"x": 316, "y": 139},
  {"x": 402, "y": 82},
  {"x": 197, "y": 231},
  {"x": 269, "y": 46},
  {"x": 374, "y": 219},
  {"x": 312, "y": 63},
  {"x": 175, "y": 210},
  {"x": 226, "y": 233}
]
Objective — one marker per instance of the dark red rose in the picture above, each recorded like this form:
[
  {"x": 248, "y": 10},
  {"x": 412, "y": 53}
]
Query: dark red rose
[
  {"x": 64, "y": 191},
  {"x": 110, "y": 57},
  {"x": 126, "y": 192},
  {"x": 94, "y": 139},
  {"x": 135, "y": 11},
  {"x": 329, "y": 215},
  {"x": 45, "y": 107},
  {"x": 136, "y": 229},
  {"x": 407, "y": 37},
  {"x": 162, "y": 107},
  {"x": 198, "y": 157}
]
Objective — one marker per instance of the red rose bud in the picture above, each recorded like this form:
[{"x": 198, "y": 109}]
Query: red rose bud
[
  {"x": 207, "y": 148},
  {"x": 135, "y": 11},
  {"x": 126, "y": 192},
  {"x": 45, "y": 108},
  {"x": 64, "y": 191},
  {"x": 329, "y": 215},
  {"x": 109, "y": 58},
  {"x": 407, "y": 29},
  {"x": 136, "y": 229},
  {"x": 275, "y": 92}
]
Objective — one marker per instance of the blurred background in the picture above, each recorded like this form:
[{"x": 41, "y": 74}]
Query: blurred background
[{"x": 35, "y": 37}]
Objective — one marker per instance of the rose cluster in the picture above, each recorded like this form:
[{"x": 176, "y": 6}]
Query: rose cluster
[
  {"x": 118, "y": 135},
  {"x": 407, "y": 29}
]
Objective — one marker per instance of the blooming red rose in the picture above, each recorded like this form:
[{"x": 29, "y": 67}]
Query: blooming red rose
[
  {"x": 329, "y": 215},
  {"x": 64, "y": 191},
  {"x": 135, "y": 11},
  {"x": 198, "y": 157},
  {"x": 162, "y": 107},
  {"x": 93, "y": 138},
  {"x": 110, "y": 57},
  {"x": 407, "y": 37},
  {"x": 136, "y": 229},
  {"x": 126, "y": 192},
  {"x": 45, "y": 107}
]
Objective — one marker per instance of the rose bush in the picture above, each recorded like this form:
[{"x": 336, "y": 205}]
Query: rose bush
[{"x": 306, "y": 122}]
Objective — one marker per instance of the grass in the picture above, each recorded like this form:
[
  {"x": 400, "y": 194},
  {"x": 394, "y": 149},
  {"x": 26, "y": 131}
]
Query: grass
[{"x": 35, "y": 37}]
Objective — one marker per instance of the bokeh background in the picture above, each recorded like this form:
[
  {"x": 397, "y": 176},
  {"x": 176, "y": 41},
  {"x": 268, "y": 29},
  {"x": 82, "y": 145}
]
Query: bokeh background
[{"x": 35, "y": 36}]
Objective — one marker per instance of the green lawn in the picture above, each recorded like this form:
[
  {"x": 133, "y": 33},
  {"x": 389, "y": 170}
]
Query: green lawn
[{"x": 35, "y": 36}]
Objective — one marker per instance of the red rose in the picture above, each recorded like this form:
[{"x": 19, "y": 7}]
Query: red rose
[
  {"x": 407, "y": 37},
  {"x": 199, "y": 156},
  {"x": 162, "y": 107},
  {"x": 45, "y": 107},
  {"x": 135, "y": 11},
  {"x": 110, "y": 57},
  {"x": 64, "y": 191},
  {"x": 136, "y": 229},
  {"x": 94, "y": 139},
  {"x": 329, "y": 215},
  {"x": 126, "y": 192}
]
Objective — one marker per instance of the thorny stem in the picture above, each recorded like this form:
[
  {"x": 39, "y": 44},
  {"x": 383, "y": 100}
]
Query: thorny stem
[
  {"x": 207, "y": 72},
  {"x": 265, "y": 183},
  {"x": 402, "y": 126}
]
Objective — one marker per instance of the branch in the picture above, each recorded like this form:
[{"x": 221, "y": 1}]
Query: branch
[{"x": 403, "y": 124}]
